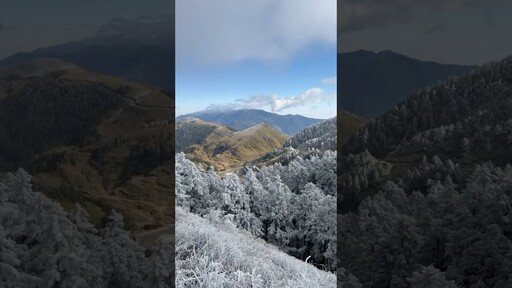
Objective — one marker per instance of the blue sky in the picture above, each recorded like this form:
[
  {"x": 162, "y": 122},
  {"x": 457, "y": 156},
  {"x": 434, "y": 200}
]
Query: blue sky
[{"x": 275, "y": 55}]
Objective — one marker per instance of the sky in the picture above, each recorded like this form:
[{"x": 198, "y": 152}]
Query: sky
[
  {"x": 275, "y": 55},
  {"x": 26, "y": 25},
  {"x": 446, "y": 31}
]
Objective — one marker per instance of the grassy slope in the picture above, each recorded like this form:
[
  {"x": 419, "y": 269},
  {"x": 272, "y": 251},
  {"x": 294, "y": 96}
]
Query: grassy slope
[
  {"x": 348, "y": 124},
  {"x": 233, "y": 150},
  {"x": 216, "y": 255},
  {"x": 193, "y": 131}
]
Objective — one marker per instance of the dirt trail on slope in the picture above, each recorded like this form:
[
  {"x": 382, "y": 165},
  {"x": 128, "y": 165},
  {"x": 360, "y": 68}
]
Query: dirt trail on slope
[{"x": 134, "y": 101}]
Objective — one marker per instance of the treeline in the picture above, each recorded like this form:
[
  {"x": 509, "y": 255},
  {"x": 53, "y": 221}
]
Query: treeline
[
  {"x": 478, "y": 103},
  {"x": 292, "y": 206},
  {"x": 48, "y": 112},
  {"x": 426, "y": 189},
  {"x": 145, "y": 152},
  {"x": 43, "y": 246},
  {"x": 146, "y": 157},
  {"x": 320, "y": 136}
]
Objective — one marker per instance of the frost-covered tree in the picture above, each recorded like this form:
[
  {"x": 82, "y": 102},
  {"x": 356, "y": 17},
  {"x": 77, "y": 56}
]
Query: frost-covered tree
[
  {"x": 122, "y": 254},
  {"x": 269, "y": 202},
  {"x": 50, "y": 247},
  {"x": 160, "y": 270},
  {"x": 430, "y": 277}
]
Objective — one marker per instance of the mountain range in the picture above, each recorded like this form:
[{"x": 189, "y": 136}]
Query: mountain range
[
  {"x": 245, "y": 118},
  {"x": 142, "y": 59},
  {"x": 372, "y": 83},
  {"x": 91, "y": 138},
  {"x": 224, "y": 148}
]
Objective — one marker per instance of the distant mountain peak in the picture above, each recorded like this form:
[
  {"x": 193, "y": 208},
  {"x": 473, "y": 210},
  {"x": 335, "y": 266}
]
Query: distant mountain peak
[{"x": 378, "y": 81}]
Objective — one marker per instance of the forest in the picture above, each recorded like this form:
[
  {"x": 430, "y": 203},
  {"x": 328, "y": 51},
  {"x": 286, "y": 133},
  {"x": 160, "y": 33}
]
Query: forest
[
  {"x": 47, "y": 112},
  {"x": 425, "y": 190},
  {"x": 288, "y": 205},
  {"x": 42, "y": 245},
  {"x": 292, "y": 207}
]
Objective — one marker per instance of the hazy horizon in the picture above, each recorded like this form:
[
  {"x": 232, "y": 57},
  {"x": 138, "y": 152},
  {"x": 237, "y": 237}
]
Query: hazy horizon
[{"x": 235, "y": 109}]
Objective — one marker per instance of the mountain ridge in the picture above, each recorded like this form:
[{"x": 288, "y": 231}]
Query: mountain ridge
[
  {"x": 241, "y": 119},
  {"x": 378, "y": 81},
  {"x": 113, "y": 55},
  {"x": 223, "y": 147}
]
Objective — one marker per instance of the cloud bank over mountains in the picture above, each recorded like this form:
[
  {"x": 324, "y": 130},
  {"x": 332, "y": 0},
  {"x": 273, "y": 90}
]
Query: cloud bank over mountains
[{"x": 275, "y": 102}]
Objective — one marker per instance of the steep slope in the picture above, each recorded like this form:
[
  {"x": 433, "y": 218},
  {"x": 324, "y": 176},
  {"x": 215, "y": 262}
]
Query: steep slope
[
  {"x": 100, "y": 140},
  {"x": 245, "y": 118},
  {"x": 193, "y": 131},
  {"x": 432, "y": 173},
  {"x": 322, "y": 136},
  {"x": 473, "y": 105},
  {"x": 232, "y": 258},
  {"x": 238, "y": 147},
  {"x": 319, "y": 136},
  {"x": 465, "y": 120},
  {"x": 375, "y": 82}
]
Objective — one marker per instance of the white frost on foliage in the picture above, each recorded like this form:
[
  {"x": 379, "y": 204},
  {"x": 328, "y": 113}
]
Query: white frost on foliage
[{"x": 216, "y": 255}]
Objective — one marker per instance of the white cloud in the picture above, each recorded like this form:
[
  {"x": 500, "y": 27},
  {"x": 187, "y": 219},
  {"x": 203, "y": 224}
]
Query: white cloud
[
  {"x": 330, "y": 81},
  {"x": 227, "y": 31},
  {"x": 275, "y": 102}
]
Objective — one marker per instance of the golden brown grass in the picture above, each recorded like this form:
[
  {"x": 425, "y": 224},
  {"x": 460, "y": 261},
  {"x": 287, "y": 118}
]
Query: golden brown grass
[{"x": 235, "y": 149}]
